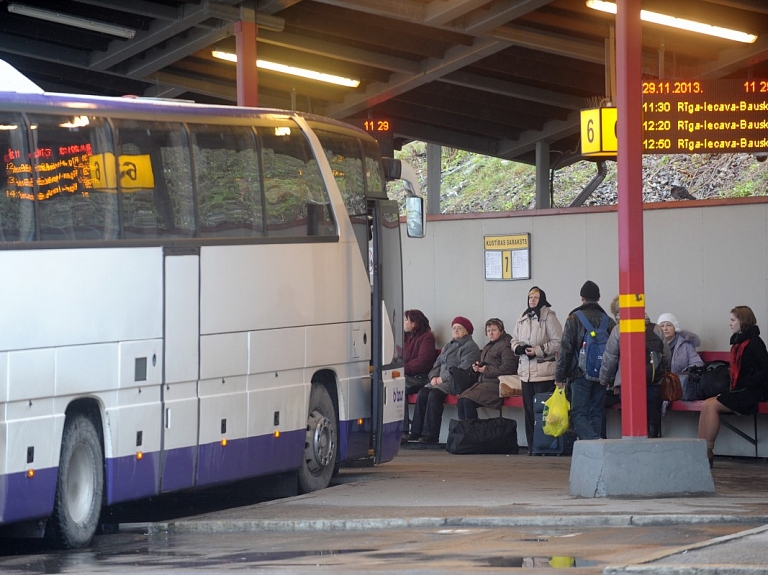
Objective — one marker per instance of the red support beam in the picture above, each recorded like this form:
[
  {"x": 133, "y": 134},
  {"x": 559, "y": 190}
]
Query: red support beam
[
  {"x": 247, "y": 74},
  {"x": 630, "y": 212}
]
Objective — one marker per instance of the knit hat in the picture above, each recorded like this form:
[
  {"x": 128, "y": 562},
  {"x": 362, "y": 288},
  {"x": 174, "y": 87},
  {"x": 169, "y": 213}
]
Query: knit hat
[
  {"x": 465, "y": 322},
  {"x": 670, "y": 317},
  {"x": 590, "y": 291}
]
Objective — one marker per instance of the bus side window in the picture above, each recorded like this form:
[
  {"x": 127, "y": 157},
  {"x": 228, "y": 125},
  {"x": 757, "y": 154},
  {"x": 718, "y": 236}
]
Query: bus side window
[
  {"x": 296, "y": 200},
  {"x": 17, "y": 206},
  {"x": 229, "y": 201},
  {"x": 73, "y": 203},
  {"x": 155, "y": 180}
]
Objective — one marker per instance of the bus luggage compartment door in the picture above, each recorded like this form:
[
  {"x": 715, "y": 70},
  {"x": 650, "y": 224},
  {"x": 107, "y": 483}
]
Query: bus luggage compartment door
[{"x": 182, "y": 367}]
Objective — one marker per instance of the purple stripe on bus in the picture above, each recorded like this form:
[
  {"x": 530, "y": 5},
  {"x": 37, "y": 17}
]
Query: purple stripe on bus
[
  {"x": 241, "y": 458},
  {"x": 131, "y": 478},
  {"x": 27, "y": 497},
  {"x": 179, "y": 468},
  {"x": 391, "y": 440},
  {"x": 354, "y": 439}
]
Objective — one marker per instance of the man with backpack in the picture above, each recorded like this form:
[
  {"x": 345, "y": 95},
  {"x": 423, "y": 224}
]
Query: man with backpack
[
  {"x": 657, "y": 363},
  {"x": 585, "y": 335}
]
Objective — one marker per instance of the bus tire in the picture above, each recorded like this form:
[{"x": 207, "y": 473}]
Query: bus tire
[
  {"x": 319, "y": 442},
  {"x": 80, "y": 485}
]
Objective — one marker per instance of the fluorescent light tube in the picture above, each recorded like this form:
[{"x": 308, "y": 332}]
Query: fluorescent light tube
[
  {"x": 292, "y": 70},
  {"x": 680, "y": 23},
  {"x": 69, "y": 20}
]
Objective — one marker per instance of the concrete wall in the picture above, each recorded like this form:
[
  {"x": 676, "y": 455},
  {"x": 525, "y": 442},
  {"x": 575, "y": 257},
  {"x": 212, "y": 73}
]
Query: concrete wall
[{"x": 700, "y": 261}]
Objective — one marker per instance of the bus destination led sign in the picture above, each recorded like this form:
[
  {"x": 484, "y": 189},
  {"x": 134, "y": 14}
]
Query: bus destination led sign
[{"x": 705, "y": 116}]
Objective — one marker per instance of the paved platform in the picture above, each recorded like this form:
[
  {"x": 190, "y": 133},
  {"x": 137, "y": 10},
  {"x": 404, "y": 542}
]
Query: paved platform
[{"x": 429, "y": 487}]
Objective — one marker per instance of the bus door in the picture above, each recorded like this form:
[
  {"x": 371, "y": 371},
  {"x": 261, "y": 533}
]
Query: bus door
[
  {"x": 181, "y": 340},
  {"x": 388, "y": 385}
]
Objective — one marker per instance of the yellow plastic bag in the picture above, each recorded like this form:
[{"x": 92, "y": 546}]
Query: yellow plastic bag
[{"x": 555, "y": 415}]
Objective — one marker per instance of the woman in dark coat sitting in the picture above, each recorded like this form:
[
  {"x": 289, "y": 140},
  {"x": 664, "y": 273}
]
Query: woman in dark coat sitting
[
  {"x": 749, "y": 377},
  {"x": 420, "y": 355},
  {"x": 496, "y": 358}
]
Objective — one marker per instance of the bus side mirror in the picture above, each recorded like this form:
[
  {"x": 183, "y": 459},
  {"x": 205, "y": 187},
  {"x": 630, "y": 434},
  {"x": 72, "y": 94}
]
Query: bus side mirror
[{"x": 414, "y": 216}]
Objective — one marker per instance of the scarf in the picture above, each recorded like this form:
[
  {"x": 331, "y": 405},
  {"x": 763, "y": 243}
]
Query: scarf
[
  {"x": 737, "y": 349},
  {"x": 536, "y": 311},
  {"x": 739, "y": 342}
]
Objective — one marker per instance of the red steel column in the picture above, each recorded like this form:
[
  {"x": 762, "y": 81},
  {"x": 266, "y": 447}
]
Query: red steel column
[
  {"x": 247, "y": 74},
  {"x": 630, "y": 181}
]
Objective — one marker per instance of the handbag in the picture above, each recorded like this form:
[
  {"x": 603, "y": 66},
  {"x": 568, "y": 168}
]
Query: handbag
[
  {"x": 709, "y": 380},
  {"x": 463, "y": 379},
  {"x": 671, "y": 388}
]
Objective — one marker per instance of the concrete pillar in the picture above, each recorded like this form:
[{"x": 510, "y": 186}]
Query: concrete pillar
[
  {"x": 543, "y": 199},
  {"x": 434, "y": 177}
]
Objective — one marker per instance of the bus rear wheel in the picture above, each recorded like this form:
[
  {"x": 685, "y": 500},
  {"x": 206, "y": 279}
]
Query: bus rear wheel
[
  {"x": 319, "y": 442},
  {"x": 80, "y": 485}
]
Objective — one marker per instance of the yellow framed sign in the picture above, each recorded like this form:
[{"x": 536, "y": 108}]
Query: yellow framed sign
[{"x": 507, "y": 257}]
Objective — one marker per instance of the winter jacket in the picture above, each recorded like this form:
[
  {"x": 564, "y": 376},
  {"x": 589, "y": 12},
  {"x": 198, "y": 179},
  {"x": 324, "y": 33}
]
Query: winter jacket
[
  {"x": 753, "y": 371},
  {"x": 542, "y": 333},
  {"x": 499, "y": 360},
  {"x": 609, "y": 368},
  {"x": 462, "y": 353},
  {"x": 567, "y": 367},
  {"x": 684, "y": 354},
  {"x": 420, "y": 352}
]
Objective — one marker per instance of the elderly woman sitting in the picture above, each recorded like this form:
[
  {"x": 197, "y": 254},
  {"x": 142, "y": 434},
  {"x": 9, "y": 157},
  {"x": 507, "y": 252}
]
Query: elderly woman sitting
[
  {"x": 496, "y": 358},
  {"x": 460, "y": 352}
]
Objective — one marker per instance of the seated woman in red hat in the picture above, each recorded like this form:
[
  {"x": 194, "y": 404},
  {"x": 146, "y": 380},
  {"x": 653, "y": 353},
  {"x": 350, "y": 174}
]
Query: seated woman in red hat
[{"x": 460, "y": 352}]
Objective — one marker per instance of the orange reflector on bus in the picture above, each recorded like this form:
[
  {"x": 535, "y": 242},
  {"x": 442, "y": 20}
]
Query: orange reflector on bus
[
  {"x": 30, "y": 473},
  {"x": 139, "y": 455},
  {"x": 360, "y": 421},
  {"x": 224, "y": 442},
  {"x": 277, "y": 433}
]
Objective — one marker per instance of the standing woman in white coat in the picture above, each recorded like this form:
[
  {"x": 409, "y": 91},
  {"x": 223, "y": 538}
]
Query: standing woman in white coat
[{"x": 536, "y": 340}]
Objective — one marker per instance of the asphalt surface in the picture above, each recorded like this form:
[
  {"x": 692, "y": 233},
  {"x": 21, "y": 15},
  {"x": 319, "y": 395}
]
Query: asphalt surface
[{"x": 431, "y": 488}]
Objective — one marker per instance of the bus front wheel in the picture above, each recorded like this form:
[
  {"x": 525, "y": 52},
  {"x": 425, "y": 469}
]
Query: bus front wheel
[
  {"x": 80, "y": 485},
  {"x": 319, "y": 442}
]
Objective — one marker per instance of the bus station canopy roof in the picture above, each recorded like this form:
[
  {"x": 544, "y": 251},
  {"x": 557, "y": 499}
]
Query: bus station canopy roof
[{"x": 488, "y": 76}]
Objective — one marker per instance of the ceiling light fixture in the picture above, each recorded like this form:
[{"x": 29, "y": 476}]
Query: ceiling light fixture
[
  {"x": 69, "y": 20},
  {"x": 292, "y": 70},
  {"x": 681, "y": 23}
]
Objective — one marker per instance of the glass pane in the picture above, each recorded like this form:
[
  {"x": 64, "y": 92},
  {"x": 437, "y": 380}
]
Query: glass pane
[
  {"x": 374, "y": 179},
  {"x": 73, "y": 156},
  {"x": 17, "y": 206},
  {"x": 227, "y": 177},
  {"x": 296, "y": 200},
  {"x": 155, "y": 180},
  {"x": 345, "y": 156}
]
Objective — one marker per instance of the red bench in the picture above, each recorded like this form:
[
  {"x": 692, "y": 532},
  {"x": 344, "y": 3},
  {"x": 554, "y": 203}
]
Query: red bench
[
  {"x": 514, "y": 401},
  {"x": 695, "y": 406},
  {"x": 681, "y": 406}
]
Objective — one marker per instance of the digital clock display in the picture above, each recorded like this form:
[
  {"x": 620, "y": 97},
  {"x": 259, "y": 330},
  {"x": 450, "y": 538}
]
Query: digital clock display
[
  {"x": 376, "y": 126},
  {"x": 705, "y": 116}
]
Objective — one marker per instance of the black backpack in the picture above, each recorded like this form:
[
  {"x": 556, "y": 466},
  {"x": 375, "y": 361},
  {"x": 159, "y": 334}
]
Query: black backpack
[{"x": 654, "y": 351}]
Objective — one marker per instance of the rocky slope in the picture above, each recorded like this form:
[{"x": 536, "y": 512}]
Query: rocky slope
[{"x": 474, "y": 183}]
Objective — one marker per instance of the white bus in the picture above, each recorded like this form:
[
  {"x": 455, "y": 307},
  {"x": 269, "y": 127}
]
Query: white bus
[{"x": 190, "y": 295}]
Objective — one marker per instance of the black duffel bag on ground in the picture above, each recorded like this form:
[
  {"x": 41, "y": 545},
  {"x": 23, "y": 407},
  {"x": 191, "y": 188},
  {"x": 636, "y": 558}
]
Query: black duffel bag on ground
[
  {"x": 467, "y": 436},
  {"x": 709, "y": 380}
]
